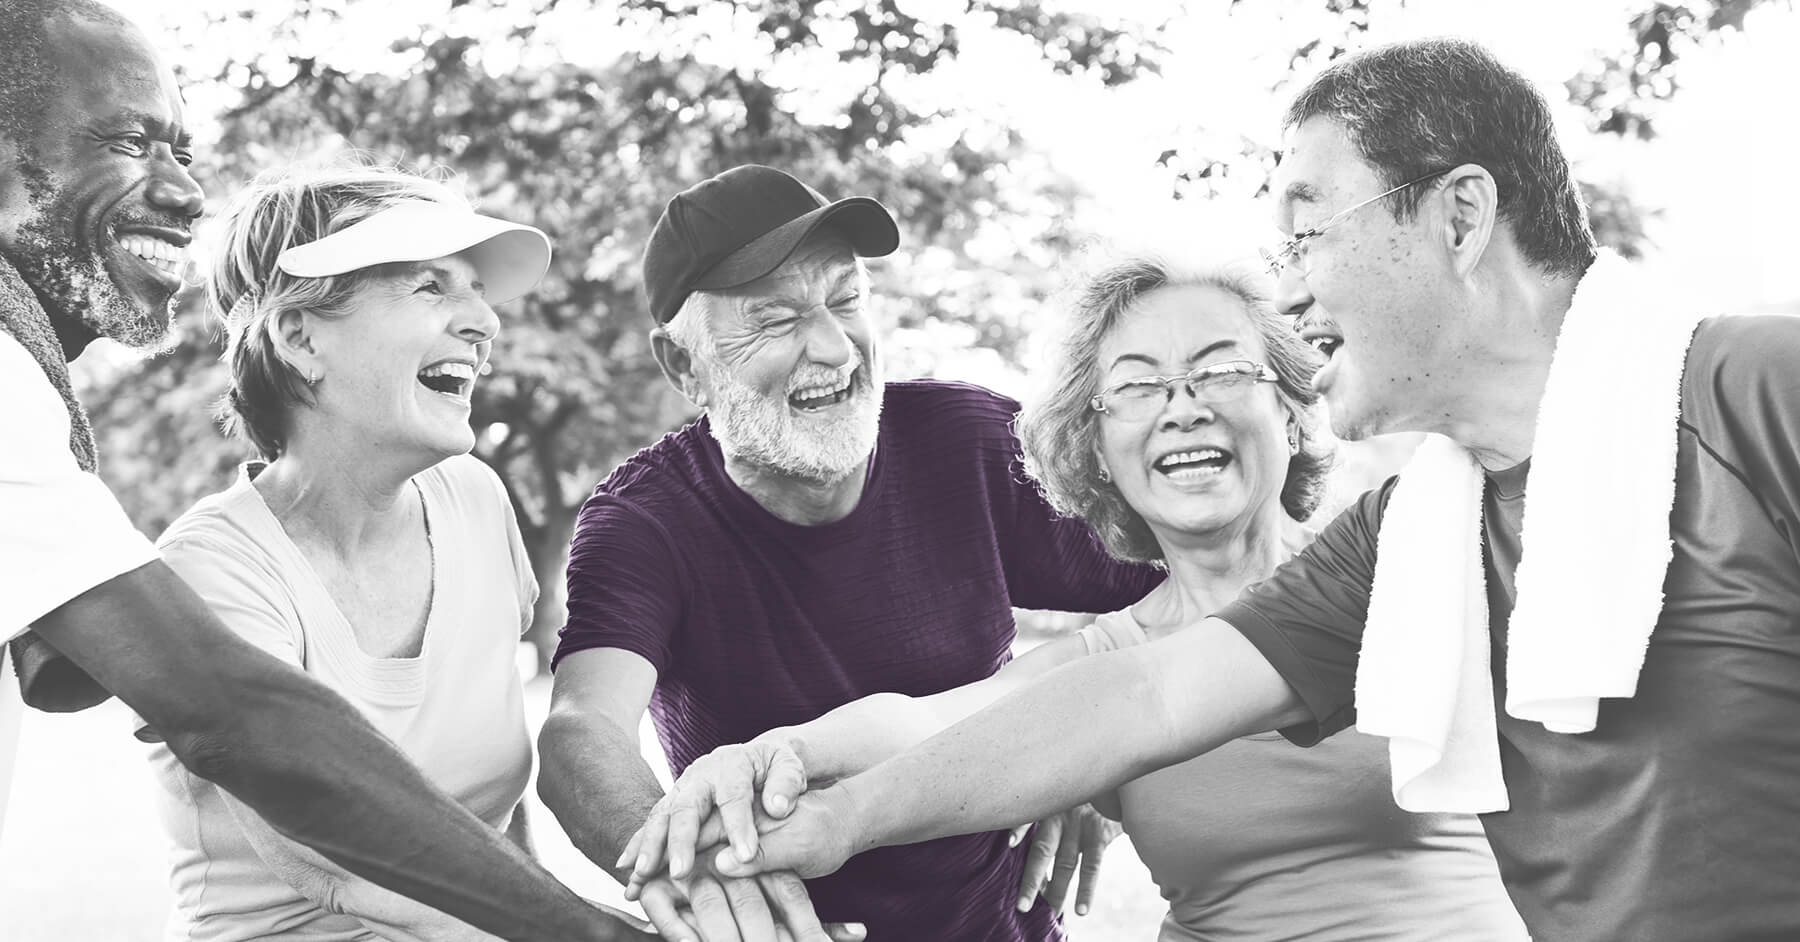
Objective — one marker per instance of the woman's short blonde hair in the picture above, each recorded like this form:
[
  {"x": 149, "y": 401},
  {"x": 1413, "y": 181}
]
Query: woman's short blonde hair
[
  {"x": 1060, "y": 432},
  {"x": 248, "y": 293}
]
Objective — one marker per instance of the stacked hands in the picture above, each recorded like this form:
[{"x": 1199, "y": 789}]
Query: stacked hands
[{"x": 744, "y": 818}]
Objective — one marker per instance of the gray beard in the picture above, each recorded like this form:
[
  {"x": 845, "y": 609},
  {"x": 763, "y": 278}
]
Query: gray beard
[
  {"x": 752, "y": 428},
  {"x": 73, "y": 285}
]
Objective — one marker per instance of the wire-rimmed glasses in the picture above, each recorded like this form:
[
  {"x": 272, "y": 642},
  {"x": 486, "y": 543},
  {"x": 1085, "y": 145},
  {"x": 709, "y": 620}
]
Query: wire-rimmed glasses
[
  {"x": 1142, "y": 397},
  {"x": 1291, "y": 251}
]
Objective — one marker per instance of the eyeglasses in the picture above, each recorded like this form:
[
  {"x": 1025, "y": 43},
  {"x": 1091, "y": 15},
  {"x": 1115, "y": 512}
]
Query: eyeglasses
[
  {"x": 1290, "y": 253},
  {"x": 1143, "y": 397}
]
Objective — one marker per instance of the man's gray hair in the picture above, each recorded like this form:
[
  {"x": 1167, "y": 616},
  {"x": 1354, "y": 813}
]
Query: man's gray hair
[{"x": 691, "y": 327}]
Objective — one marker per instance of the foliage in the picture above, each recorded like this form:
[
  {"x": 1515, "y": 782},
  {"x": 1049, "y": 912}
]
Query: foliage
[{"x": 590, "y": 153}]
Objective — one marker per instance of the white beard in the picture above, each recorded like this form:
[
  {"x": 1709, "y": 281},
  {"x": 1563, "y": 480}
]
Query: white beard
[{"x": 755, "y": 429}]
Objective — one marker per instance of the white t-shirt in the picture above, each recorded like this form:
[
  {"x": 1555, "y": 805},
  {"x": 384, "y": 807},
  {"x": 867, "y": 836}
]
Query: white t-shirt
[
  {"x": 456, "y": 710},
  {"x": 61, "y": 531}
]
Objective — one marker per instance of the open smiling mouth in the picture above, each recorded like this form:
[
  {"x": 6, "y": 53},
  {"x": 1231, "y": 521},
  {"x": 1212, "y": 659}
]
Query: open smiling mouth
[
  {"x": 452, "y": 378},
  {"x": 810, "y": 398},
  {"x": 164, "y": 255},
  {"x": 1193, "y": 464},
  {"x": 1322, "y": 335}
]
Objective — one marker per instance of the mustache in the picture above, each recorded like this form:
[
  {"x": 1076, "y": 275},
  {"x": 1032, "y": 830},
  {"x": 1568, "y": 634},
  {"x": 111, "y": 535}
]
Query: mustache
[
  {"x": 153, "y": 220},
  {"x": 815, "y": 375}
]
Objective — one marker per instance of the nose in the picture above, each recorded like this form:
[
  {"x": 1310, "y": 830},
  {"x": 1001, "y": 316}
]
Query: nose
[
  {"x": 476, "y": 321},
  {"x": 827, "y": 342},
  {"x": 172, "y": 189},
  {"x": 1185, "y": 411},
  {"x": 1292, "y": 296}
]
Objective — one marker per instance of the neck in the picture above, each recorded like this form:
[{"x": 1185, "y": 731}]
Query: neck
[
  {"x": 1505, "y": 361},
  {"x": 799, "y": 500},
  {"x": 1208, "y": 570},
  {"x": 324, "y": 495}
]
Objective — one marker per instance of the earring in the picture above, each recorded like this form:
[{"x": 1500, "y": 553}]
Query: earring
[
  {"x": 1105, "y": 475},
  {"x": 1293, "y": 442},
  {"x": 312, "y": 379}
]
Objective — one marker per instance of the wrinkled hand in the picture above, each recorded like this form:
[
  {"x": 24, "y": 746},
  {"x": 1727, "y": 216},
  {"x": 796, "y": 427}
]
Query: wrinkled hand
[
  {"x": 1066, "y": 843},
  {"x": 727, "y": 781},
  {"x": 815, "y": 838},
  {"x": 709, "y": 907}
]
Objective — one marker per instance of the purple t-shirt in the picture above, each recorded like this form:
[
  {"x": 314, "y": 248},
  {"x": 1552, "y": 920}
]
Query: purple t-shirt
[
  {"x": 753, "y": 622},
  {"x": 1678, "y": 817}
]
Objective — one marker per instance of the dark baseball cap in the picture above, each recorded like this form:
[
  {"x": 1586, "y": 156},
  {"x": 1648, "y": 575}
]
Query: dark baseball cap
[{"x": 742, "y": 224}]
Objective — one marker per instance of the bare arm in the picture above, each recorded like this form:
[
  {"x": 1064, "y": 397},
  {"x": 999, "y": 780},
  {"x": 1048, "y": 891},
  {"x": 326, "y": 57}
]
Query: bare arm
[
  {"x": 594, "y": 778},
  {"x": 1088, "y": 726},
  {"x": 308, "y": 764},
  {"x": 336, "y": 890},
  {"x": 862, "y": 733}
]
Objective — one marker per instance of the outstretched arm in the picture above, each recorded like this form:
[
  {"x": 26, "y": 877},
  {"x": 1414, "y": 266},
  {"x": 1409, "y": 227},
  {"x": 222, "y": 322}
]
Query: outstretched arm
[
  {"x": 1087, "y": 726},
  {"x": 308, "y": 764}
]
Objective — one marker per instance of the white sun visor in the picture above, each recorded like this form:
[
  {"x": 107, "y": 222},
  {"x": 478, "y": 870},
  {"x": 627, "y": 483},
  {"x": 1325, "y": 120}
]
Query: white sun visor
[{"x": 509, "y": 258}]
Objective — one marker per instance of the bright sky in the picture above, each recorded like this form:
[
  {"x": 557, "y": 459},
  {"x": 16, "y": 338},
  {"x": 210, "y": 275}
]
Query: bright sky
[{"x": 1725, "y": 126}]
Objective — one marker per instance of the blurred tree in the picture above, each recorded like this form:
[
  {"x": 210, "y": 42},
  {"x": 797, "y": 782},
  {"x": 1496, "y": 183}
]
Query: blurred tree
[
  {"x": 590, "y": 153},
  {"x": 1620, "y": 92}
]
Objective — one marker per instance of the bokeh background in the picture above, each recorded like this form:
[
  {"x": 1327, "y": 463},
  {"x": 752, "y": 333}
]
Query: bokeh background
[{"x": 1010, "y": 137}]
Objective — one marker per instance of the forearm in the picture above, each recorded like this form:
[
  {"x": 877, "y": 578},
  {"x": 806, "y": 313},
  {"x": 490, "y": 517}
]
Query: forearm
[
  {"x": 595, "y": 781},
  {"x": 1087, "y": 726},
  {"x": 302, "y": 758},
  {"x": 858, "y": 735},
  {"x": 322, "y": 777}
]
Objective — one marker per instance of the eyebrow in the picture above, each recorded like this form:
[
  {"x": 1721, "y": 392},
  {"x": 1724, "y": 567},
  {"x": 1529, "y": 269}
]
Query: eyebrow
[
  {"x": 1301, "y": 192},
  {"x": 1205, "y": 352}
]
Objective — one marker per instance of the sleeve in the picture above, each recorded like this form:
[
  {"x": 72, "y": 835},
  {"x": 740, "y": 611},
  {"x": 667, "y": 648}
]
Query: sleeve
[
  {"x": 624, "y": 583},
  {"x": 61, "y": 531},
  {"x": 1307, "y": 619},
  {"x": 1741, "y": 398},
  {"x": 246, "y": 596},
  {"x": 1055, "y": 562}
]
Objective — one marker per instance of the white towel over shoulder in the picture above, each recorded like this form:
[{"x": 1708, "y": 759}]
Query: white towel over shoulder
[{"x": 1595, "y": 548}]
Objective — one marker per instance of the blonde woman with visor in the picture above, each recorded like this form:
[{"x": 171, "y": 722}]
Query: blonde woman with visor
[{"x": 365, "y": 546}]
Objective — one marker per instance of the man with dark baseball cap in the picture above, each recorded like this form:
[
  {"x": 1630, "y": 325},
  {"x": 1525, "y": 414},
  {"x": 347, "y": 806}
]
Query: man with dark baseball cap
[{"x": 815, "y": 537}]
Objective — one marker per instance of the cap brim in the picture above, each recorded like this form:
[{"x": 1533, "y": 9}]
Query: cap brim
[
  {"x": 865, "y": 222},
  {"x": 509, "y": 258}
]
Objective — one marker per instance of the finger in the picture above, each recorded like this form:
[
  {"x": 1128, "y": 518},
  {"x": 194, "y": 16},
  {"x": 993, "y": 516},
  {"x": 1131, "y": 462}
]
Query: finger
[
  {"x": 684, "y": 831},
  {"x": 1094, "y": 838},
  {"x": 660, "y": 907},
  {"x": 1068, "y": 856},
  {"x": 1038, "y": 860},
  {"x": 755, "y": 921},
  {"x": 785, "y": 780},
  {"x": 651, "y": 838},
  {"x": 633, "y": 847},
  {"x": 735, "y": 800},
  {"x": 712, "y": 910},
  {"x": 1017, "y": 834},
  {"x": 791, "y": 902},
  {"x": 846, "y": 931}
]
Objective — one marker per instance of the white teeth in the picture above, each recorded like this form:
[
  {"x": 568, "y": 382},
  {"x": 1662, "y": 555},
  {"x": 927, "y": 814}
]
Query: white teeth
[
  {"x": 458, "y": 370},
  {"x": 161, "y": 253},
  {"x": 1189, "y": 457},
  {"x": 819, "y": 392}
]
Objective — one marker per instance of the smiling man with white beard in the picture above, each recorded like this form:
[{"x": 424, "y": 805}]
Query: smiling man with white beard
[{"x": 817, "y": 536}]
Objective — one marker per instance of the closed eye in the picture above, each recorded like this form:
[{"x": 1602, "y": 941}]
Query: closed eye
[{"x": 429, "y": 287}]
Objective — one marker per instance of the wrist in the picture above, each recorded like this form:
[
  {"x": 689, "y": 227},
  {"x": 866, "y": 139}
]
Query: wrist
[{"x": 854, "y": 815}]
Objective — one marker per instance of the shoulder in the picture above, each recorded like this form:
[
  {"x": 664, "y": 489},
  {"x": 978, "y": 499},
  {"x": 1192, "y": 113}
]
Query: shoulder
[
  {"x": 676, "y": 463},
  {"x": 228, "y": 536},
  {"x": 1744, "y": 345},
  {"x": 942, "y": 409},
  {"x": 37, "y": 420}
]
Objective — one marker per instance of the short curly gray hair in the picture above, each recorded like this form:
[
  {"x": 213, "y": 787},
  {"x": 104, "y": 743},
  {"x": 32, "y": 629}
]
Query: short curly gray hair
[{"x": 1060, "y": 433}]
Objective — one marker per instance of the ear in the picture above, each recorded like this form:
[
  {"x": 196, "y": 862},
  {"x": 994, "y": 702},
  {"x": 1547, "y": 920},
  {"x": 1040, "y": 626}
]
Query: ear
[
  {"x": 1470, "y": 202},
  {"x": 677, "y": 366},
  {"x": 290, "y": 333}
]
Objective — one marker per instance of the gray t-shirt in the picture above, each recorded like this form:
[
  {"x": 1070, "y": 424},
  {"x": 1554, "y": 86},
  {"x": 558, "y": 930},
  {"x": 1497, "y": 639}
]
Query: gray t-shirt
[
  {"x": 1678, "y": 817},
  {"x": 1257, "y": 841}
]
